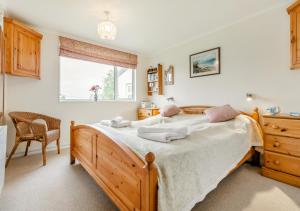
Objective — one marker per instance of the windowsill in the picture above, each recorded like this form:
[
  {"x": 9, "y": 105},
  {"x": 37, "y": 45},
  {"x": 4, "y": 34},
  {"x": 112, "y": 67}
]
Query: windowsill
[{"x": 100, "y": 101}]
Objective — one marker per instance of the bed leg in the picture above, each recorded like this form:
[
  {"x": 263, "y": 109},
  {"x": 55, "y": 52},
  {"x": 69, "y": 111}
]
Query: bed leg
[
  {"x": 256, "y": 159},
  {"x": 72, "y": 159}
]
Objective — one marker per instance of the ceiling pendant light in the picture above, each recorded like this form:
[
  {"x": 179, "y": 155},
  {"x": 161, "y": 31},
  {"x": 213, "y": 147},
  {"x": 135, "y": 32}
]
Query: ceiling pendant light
[{"x": 107, "y": 30}]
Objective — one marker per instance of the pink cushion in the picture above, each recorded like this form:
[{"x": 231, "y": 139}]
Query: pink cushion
[
  {"x": 169, "y": 110},
  {"x": 221, "y": 113}
]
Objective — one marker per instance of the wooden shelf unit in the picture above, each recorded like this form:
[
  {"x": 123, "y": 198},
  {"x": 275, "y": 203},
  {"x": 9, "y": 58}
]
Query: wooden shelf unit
[{"x": 155, "y": 80}]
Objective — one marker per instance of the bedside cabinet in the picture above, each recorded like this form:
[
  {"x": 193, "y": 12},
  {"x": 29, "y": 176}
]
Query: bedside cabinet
[
  {"x": 143, "y": 113},
  {"x": 282, "y": 148}
]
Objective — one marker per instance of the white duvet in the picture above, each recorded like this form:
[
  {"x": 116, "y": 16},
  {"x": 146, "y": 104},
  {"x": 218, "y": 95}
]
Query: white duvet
[{"x": 192, "y": 167}]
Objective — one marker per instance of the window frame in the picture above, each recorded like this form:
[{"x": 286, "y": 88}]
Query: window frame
[{"x": 115, "y": 99}]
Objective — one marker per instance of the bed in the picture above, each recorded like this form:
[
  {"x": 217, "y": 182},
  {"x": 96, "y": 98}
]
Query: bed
[{"x": 135, "y": 178}]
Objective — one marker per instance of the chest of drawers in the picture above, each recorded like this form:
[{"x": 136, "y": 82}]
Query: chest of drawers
[{"x": 282, "y": 148}]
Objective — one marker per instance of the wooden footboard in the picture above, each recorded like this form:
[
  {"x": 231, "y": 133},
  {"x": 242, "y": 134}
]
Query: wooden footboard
[{"x": 128, "y": 180}]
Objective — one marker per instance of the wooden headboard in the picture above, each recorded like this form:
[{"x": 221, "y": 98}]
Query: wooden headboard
[{"x": 199, "y": 109}]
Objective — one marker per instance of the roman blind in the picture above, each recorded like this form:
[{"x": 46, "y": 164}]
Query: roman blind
[{"x": 95, "y": 53}]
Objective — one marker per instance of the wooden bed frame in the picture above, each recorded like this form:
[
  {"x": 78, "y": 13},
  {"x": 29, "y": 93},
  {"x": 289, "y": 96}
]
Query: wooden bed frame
[{"x": 130, "y": 182}]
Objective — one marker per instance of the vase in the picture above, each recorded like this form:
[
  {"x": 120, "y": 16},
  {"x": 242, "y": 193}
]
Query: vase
[{"x": 95, "y": 97}]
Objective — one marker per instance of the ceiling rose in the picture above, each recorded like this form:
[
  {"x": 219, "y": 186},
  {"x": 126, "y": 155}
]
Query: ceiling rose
[{"x": 107, "y": 30}]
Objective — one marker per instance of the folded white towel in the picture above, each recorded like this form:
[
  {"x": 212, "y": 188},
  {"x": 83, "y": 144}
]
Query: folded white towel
[
  {"x": 162, "y": 137},
  {"x": 116, "y": 123},
  {"x": 117, "y": 120},
  {"x": 162, "y": 134},
  {"x": 106, "y": 123},
  {"x": 119, "y": 124},
  {"x": 149, "y": 129}
]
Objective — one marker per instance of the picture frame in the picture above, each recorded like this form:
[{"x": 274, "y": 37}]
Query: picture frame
[
  {"x": 205, "y": 63},
  {"x": 169, "y": 75}
]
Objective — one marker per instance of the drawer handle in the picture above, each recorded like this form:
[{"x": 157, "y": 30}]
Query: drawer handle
[
  {"x": 283, "y": 130},
  {"x": 275, "y": 126},
  {"x": 276, "y": 144},
  {"x": 266, "y": 124},
  {"x": 276, "y": 162}
]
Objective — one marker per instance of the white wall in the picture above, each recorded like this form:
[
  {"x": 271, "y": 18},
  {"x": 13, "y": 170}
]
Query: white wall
[
  {"x": 255, "y": 58},
  {"x": 41, "y": 96}
]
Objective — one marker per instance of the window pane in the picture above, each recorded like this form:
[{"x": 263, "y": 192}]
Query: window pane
[
  {"x": 78, "y": 76},
  {"x": 125, "y": 83}
]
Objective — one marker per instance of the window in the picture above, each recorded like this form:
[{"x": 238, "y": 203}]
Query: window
[{"x": 77, "y": 77}]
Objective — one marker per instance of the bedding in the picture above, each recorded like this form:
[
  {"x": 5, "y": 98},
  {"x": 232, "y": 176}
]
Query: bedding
[{"x": 188, "y": 169}]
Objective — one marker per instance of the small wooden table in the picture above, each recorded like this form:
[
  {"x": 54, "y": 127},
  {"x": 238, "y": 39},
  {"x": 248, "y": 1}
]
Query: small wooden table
[{"x": 143, "y": 113}]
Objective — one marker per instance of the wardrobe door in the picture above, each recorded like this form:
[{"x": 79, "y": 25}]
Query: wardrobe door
[{"x": 26, "y": 53}]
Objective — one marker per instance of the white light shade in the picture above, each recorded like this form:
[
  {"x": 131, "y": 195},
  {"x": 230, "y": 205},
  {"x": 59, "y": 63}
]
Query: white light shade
[{"x": 107, "y": 30}]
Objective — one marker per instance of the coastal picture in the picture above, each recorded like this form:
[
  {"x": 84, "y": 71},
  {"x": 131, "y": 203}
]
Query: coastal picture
[{"x": 205, "y": 63}]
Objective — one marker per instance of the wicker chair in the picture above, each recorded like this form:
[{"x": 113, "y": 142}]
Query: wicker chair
[{"x": 35, "y": 127}]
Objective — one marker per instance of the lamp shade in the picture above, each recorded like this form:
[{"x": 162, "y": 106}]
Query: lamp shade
[{"x": 107, "y": 30}]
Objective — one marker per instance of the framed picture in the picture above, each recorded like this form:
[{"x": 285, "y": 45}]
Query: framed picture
[
  {"x": 205, "y": 63},
  {"x": 169, "y": 75}
]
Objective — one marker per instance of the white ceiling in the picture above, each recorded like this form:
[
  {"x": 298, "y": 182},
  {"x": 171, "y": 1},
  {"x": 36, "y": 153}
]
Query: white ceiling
[{"x": 144, "y": 26}]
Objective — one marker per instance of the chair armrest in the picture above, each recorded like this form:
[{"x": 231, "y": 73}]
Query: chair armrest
[{"x": 53, "y": 123}]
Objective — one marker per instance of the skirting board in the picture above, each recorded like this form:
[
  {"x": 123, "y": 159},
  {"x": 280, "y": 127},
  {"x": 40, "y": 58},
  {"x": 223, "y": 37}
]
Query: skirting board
[{"x": 39, "y": 151}]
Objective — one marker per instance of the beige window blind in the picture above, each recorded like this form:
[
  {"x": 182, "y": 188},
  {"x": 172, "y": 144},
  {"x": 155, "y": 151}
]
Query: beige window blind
[{"x": 95, "y": 53}]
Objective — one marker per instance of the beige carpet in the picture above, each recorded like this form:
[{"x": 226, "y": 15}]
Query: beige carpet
[{"x": 59, "y": 186}]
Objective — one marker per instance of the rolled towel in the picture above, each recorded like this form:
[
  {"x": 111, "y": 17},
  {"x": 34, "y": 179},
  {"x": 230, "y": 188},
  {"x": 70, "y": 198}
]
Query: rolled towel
[{"x": 162, "y": 134}]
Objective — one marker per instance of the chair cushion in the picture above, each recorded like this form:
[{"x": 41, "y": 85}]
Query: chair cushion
[
  {"x": 52, "y": 135},
  {"x": 41, "y": 122}
]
